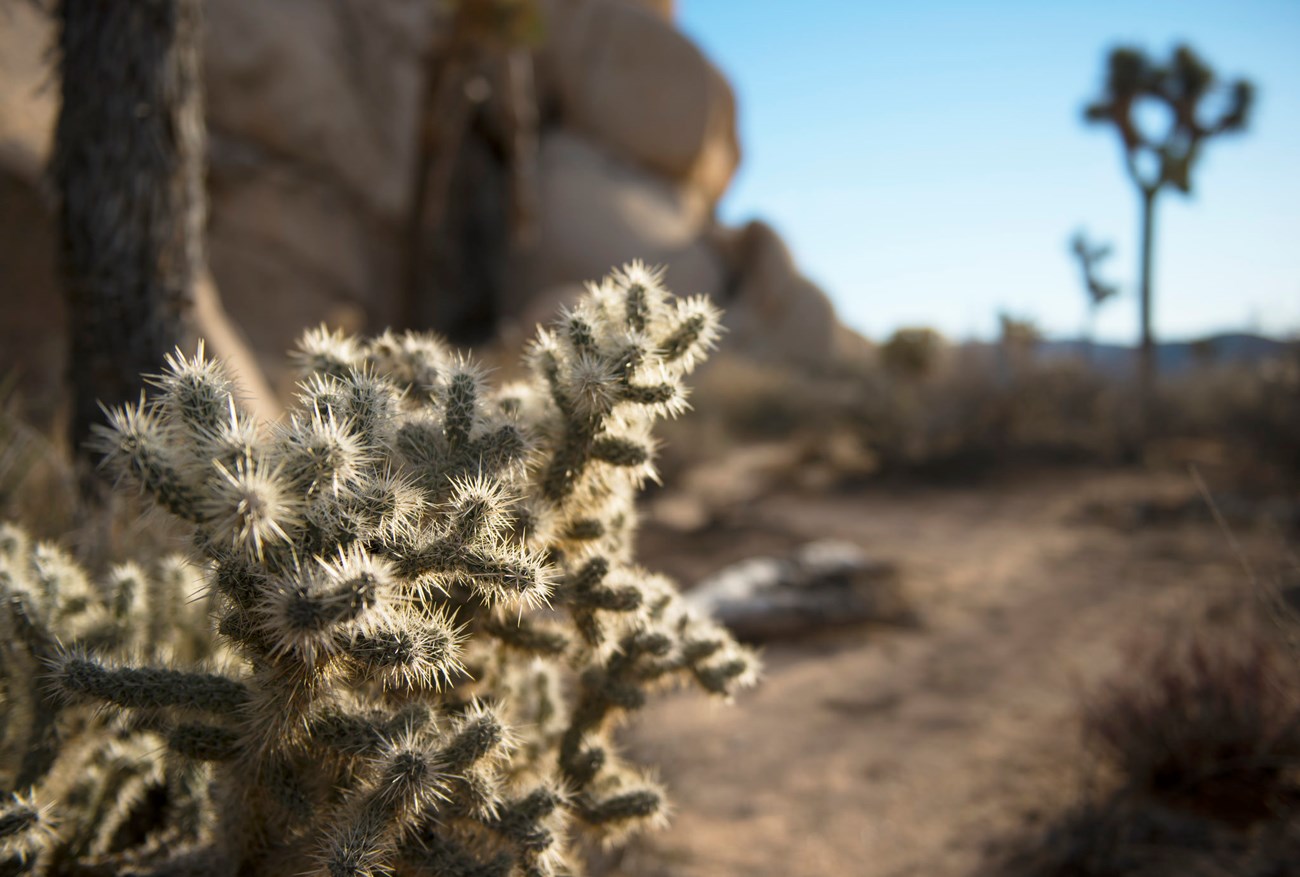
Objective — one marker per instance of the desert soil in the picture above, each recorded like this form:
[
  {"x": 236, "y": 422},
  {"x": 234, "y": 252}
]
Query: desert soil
[{"x": 888, "y": 752}]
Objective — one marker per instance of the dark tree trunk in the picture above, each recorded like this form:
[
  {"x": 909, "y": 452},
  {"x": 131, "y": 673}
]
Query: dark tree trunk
[
  {"x": 458, "y": 263},
  {"x": 474, "y": 207},
  {"x": 128, "y": 170},
  {"x": 457, "y": 239},
  {"x": 1148, "y": 337}
]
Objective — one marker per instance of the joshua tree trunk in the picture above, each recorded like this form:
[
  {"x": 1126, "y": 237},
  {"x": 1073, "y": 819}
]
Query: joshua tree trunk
[
  {"x": 1147, "y": 352},
  {"x": 1147, "y": 355},
  {"x": 128, "y": 168}
]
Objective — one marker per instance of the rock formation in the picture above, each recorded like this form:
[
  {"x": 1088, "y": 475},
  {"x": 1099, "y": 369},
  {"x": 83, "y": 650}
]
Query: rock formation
[
  {"x": 821, "y": 585},
  {"x": 314, "y": 116}
]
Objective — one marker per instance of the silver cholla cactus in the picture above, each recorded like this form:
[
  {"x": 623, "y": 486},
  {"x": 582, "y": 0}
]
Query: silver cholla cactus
[
  {"x": 73, "y": 778},
  {"x": 426, "y": 614}
]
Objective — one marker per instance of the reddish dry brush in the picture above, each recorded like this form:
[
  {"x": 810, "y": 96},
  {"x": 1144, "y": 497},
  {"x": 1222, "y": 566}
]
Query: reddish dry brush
[
  {"x": 1209, "y": 721},
  {"x": 1195, "y": 766}
]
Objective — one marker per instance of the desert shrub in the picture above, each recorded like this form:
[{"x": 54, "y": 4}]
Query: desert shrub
[
  {"x": 1251, "y": 410},
  {"x": 968, "y": 410},
  {"x": 1062, "y": 410},
  {"x": 912, "y": 352},
  {"x": 978, "y": 408},
  {"x": 1194, "y": 757},
  {"x": 1117, "y": 835},
  {"x": 982, "y": 409},
  {"x": 1210, "y": 721},
  {"x": 424, "y": 605}
]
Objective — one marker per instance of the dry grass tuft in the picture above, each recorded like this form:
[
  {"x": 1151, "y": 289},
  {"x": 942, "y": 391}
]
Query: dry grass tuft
[
  {"x": 1208, "y": 723},
  {"x": 1197, "y": 769}
]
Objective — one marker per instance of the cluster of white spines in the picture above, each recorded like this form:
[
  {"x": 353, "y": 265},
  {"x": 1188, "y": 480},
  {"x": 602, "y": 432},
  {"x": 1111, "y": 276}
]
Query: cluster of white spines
[
  {"x": 133, "y": 610},
  {"x": 26, "y": 830},
  {"x": 54, "y": 758},
  {"x": 604, "y": 372}
]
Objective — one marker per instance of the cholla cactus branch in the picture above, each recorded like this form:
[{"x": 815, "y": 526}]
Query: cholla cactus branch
[
  {"x": 149, "y": 687},
  {"x": 77, "y": 775},
  {"x": 204, "y": 742},
  {"x": 25, "y": 831}
]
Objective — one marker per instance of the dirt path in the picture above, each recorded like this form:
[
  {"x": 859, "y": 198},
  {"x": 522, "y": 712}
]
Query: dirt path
[{"x": 904, "y": 753}]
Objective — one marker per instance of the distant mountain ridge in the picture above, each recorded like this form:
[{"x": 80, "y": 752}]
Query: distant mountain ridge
[{"x": 1173, "y": 356}]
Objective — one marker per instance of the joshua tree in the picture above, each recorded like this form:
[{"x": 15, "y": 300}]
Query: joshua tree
[
  {"x": 1099, "y": 292},
  {"x": 128, "y": 170},
  {"x": 1183, "y": 86}
]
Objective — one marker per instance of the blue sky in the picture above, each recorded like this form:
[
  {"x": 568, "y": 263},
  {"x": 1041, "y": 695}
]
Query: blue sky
[{"x": 927, "y": 162}]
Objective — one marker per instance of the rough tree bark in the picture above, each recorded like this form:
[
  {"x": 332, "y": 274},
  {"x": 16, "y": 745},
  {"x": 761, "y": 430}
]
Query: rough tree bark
[
  {"x": 128, "y": 170},
  {"x": 474, "y": 200}
]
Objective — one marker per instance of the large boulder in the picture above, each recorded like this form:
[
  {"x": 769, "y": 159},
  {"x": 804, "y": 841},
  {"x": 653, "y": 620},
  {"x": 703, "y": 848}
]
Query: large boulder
[
  {"x": 288, "y": 251},
  {"x": 26, "y": 106},
  {"x": 773, "y": 312},
  {"x": 332, "y": 88},
  {"x": 598, "y": 212},
  {"x": 625, "y": 77},
  {"x": 312, "y": 110}
]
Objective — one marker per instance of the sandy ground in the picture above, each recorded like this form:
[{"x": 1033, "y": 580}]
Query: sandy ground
[{"x": 889, "y": 752}]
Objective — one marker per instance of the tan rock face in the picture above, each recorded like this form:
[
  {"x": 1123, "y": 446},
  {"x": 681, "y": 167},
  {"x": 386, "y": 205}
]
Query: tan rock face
[
  {"x": 312, "y": 110},
  {"x": 774, "y": 312},
  {"x": 290, "y": 251},
  {"x": 26, "y": 110},
  {"x": 625, "y": 77},
  {"x": 598, "y": 211},
  {"x": 329, "y": 87}
]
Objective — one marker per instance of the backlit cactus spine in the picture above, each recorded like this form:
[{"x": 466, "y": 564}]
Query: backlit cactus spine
[
  {"x": 73, "y": 781},
  {"x": 425, "y": 594}
]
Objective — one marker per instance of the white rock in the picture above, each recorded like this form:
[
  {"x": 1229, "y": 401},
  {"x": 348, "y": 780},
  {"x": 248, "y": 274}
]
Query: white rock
[{"x": 820, "y": 585}]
